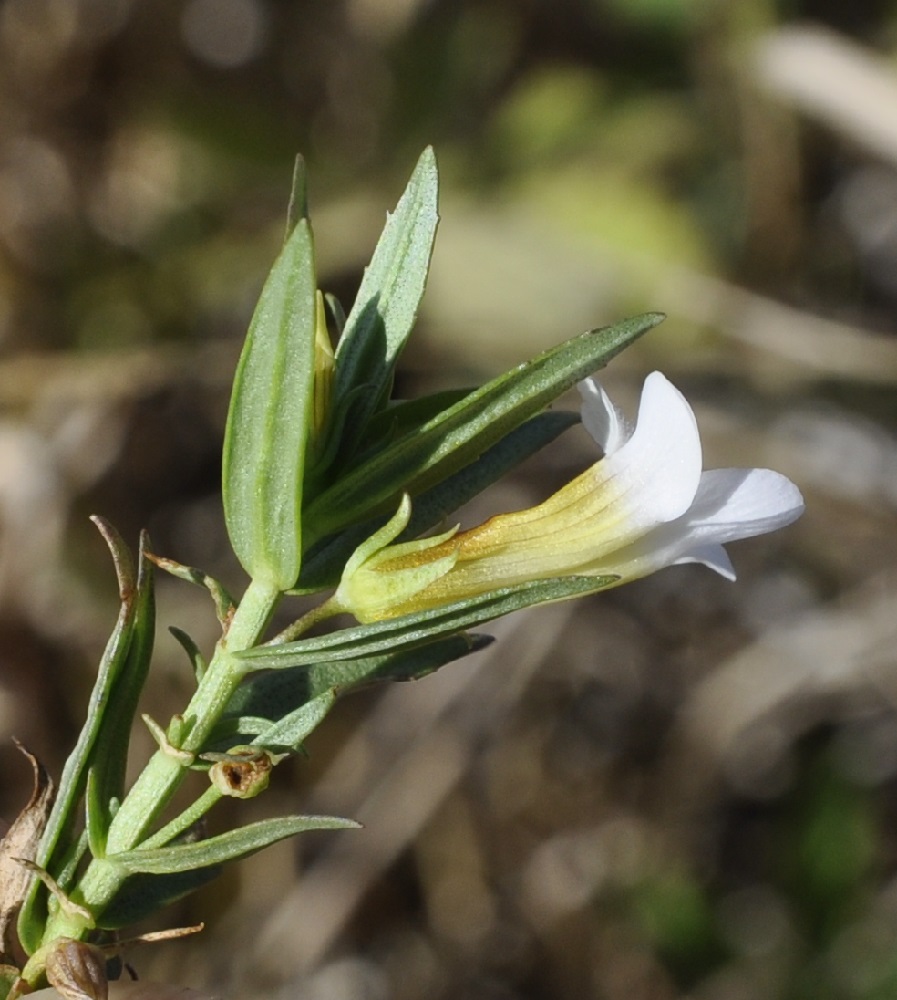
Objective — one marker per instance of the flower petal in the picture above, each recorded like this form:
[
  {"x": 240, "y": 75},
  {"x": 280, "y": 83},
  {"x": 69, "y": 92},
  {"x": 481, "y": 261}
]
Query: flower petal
[
  {"x": 713, "y": 557},
  {"x": 656, "y": 473},
  {"x": 730, "y": 504},
  {"x": 740, "y": 503},
  {"x": 601, "y": 418}
]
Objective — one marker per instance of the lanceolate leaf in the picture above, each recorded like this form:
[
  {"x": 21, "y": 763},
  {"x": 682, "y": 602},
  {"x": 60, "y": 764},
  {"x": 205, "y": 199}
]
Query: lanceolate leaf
[
  {"x": 322, "y": 567},
  {"x": 226, "y": 846},
  {"x": 271, "y": 695},
  {"x": 269, "y": 420},
  {"x": 387, "y": 302},
  {"x": 400, "y": 417},
  {"x": 288, "y": 732},
  {"x": 58, "y": 834},
  {"x": 409, "y": 631},
  {"x": 109, "y": 766},
  {"x": 142, "y": 895},
  {"x": 460, "y": 434}
]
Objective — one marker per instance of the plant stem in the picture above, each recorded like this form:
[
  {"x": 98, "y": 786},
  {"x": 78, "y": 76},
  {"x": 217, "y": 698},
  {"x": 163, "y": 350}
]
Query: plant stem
[
  {"x": 162, "y": 775},
  {"x": 319, "y": 614},
  {"x": 184, "y": 821}
]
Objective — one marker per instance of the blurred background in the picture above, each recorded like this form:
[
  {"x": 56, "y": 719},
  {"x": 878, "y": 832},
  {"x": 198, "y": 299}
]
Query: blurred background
[{"x": 682, "y": 789}]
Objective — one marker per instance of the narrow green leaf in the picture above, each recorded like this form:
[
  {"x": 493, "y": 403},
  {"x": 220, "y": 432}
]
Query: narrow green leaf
[
  {"x": 399, "y": 418},
  {"x": 224, "y": 603},
  {"x": 142, "y": 895},
  {"x": 269, "y": 420},
  {"x": 270, "y": 694},
  {"x": 433, "y": 506},
  {"x": 460, "y": 434},
  {"x": 69, "y": 862},
  {"x": 322, "y": 567},
  {"x": 110, "y": 759},
  {"x": 408, "y": 664},
  {"x": 298, "y": 206},
  {"x": 235, "y": 730},
  {"x": 59, "y": 833},
  {"x": 412, "y": 630},
  {"x": 96, "y": 816},
  {"x": 197, "y": 660},
  {"x": 228, "y": 846},
  {"x": 386, "y": 306},
  {"x": 289, "y": 732},
  {"x": 262, "y": 699}
]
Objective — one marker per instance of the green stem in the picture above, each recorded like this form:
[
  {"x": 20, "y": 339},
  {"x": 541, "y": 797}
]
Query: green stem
[
  {"x": 187, "y": 818},
  {"x": 162, "y": 775},
  {"x": 319, "y": 614}
]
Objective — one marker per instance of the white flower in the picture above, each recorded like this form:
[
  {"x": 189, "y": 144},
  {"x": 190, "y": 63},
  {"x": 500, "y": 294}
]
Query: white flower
[
  {"x": 644, "y": 505},
  {"x": 698, "y": 511}
]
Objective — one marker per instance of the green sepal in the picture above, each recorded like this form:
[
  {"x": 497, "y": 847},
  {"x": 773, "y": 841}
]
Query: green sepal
[
  {"x": 142, "y": 895},
  {"x": 386, "y": 306},
  {"x": 230, "y": 846},
  {"x": 323, "y": 567},
  {"x": 457, "y": 436},
  {"x": 270, "y": 418},
  {"x": 408, "y": 631},
  {"x": 58, "y": 837}
]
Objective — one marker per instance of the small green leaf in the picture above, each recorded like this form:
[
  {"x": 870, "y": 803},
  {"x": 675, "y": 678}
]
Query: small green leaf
[
  {"x": 289, "y": 732},
  {"x": 197, "y": 660},
  {"x": 96, "y": 816},
  {"x": 409, "y": 631},
  {"x": 224, "y": 603},
  {"x": 228, "y": 846},
  {"x": 457, "y": 436},
  {"x": 269, "y": 420},
  {"x": 386, "y": 306}
]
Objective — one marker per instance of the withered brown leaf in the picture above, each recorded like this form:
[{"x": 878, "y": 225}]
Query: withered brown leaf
[{"x": 21, "y": 841}]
